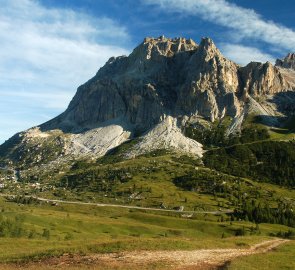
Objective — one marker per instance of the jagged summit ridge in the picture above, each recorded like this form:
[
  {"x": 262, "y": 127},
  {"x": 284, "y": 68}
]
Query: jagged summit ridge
[{"x": 166, "y": 46}]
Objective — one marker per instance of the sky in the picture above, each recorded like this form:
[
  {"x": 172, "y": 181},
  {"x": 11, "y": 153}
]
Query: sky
[{"x": 50, "y": 47}]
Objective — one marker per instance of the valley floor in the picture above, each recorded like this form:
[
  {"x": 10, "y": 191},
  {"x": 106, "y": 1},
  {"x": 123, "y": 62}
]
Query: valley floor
[{"x": 154, "y": 212}]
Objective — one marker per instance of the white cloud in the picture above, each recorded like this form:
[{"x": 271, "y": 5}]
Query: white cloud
[
  {"x": 246, "y": 22},
  {"x": 47, "y": 53},
  {"x": 63, "y": 44},
  {"x": 242, "y": 55}
]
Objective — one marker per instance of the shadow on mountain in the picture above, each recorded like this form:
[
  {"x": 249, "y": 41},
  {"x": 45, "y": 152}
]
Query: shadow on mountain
[
  {"x": 77, "y": 128},
  {"x": 270, "y": 120},
  {"x": 285, "y": 102}
]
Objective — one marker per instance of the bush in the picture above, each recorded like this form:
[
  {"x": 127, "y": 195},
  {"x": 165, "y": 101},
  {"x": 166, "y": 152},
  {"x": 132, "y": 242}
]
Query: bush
[{"x": 240, "y": 232}]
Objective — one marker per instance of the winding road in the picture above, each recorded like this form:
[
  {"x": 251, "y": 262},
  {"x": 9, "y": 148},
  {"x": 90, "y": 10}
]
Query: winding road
[{"x": 226, "y": 211}]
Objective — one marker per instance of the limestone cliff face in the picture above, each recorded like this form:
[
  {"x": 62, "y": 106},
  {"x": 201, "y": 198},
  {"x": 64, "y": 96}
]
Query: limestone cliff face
[
  {"x": 169, "y": 77},
  {"x": 287, "y": 62},
  {"x": 211, "y": 83},
  {"x": 260, "y": 79},
  {"x": 154, "y": 91},
  {"x": 140, "y": 88},
  {"x": 160, "y": 77}
]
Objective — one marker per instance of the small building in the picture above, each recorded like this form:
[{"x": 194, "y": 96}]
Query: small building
[{"x": 179, "y": 208}]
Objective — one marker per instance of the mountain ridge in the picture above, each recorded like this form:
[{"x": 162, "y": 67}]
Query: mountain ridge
[{"x": 164, "y": 84}]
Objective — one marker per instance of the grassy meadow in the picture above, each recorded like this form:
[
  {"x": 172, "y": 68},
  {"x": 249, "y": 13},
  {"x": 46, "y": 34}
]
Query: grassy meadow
[{"x": 54, "y": 230}]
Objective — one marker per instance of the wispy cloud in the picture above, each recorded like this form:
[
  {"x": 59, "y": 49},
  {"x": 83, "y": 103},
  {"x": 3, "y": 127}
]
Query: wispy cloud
[
  {"x": 53, "y": 100},
  {"x": 246, "y": 23},
  {"x": 46, "y": 53},
  {"x": 242, "y": 54}
]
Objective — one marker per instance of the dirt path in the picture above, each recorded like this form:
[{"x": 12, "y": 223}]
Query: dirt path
[
  {"x": 183, "y": 259},
  {"x": 204, "y": 259}
]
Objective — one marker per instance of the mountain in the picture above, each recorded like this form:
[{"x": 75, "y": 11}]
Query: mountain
[
  {"x": 150, "y": 97},
  {"x": 287, "y": 62}
]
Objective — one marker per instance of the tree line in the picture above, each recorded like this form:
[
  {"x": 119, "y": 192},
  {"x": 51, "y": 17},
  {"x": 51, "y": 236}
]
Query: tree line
[{"x": 268, "y": 161}]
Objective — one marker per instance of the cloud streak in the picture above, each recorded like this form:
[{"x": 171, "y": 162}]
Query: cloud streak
[
  {"x": 246, "y": 22},
  {"x": 241, "y": 54},
  {"x": 65, "y": 45},
  {"x": 46, "y": 53}
]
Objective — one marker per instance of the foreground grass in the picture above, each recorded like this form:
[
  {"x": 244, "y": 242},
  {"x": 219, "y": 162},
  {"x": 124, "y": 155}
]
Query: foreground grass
[{"x": 281, "y": 258}]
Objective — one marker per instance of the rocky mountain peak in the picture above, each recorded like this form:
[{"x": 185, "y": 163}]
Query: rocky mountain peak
[
  {"x": 287, "y": 62},
  {"x": 168, "y": 76},
  {"x": 208, "y": 48},
  {"x": 156, "y": 90}
]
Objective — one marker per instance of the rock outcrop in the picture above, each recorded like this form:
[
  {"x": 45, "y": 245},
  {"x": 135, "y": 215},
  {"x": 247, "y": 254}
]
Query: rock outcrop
[
  {"x": 166, "y": 135},
  {"x": 259, "y": 79},
  {"x": 287, "y": 62}
]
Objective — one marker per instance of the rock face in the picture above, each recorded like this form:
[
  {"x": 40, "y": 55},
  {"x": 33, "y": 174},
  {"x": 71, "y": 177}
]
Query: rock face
[
  {"x": 155, "y": 90},
  {"x": 287, "y": 62},
  {"x": 260, "y": 79},
  {"x": 169, "y": 77},
  {"x": 160, "y": 77}
]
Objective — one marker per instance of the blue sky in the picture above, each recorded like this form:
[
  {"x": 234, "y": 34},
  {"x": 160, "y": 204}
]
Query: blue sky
[{"x": 50, "y": 47}]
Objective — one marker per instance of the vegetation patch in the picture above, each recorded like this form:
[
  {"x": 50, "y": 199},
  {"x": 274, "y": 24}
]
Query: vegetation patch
[{"x": 268, "y": 161}]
